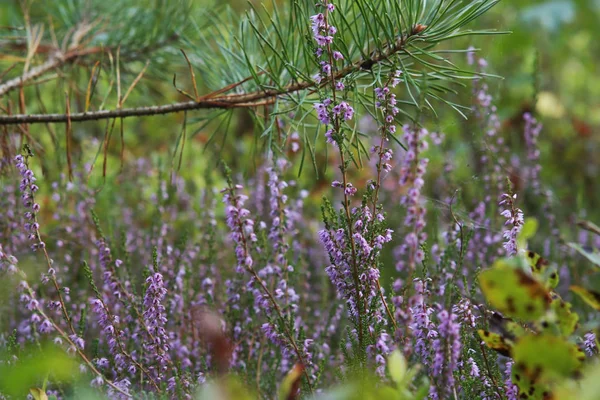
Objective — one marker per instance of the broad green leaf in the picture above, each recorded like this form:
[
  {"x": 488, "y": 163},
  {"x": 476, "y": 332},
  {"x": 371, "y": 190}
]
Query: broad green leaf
[
  {"x": 561, "y": 320},
  {"x": 514, "y": 293},
  {"x": 541, "y": 361},
  {"x": 396, "y": 366},
  {"x": 590, "y": 297},
  {"x": 541, "y": 270},
  {"x": 592, "y": 256}
]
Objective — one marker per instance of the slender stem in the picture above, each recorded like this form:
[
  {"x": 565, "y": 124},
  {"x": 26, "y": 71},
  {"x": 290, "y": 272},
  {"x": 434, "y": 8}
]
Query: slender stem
[
  {"x": 63, "y": 307},
  {"x": 66, "y": 337},
  {"x": 122, "y": 348}
]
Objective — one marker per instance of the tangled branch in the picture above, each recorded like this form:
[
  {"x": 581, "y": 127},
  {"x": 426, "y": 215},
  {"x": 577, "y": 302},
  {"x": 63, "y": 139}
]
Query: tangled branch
[{"x": 211, "y": 101}]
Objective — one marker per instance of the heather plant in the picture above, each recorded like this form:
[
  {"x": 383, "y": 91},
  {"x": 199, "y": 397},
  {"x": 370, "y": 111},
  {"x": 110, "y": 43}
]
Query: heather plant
[{"x": 332, "y": 255}]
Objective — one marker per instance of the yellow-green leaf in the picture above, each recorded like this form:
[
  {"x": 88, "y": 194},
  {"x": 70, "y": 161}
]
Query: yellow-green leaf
[
  {"x": 396, "y": 365},
  {"x": 513, "y": 292},
  {"x": 528, "y": 231},
  {"x": 496, "y": 342},
  {"x": 562, "y": 319},
  {"x": 541, "y": 270},
  {"x": 38, "y": 394},
  {"x": 590, "y": 297},
  {"x": 543, "y": 360}
]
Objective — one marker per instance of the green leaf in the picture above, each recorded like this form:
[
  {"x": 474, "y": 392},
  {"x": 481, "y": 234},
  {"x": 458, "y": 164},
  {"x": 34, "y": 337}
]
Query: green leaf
[
  {"x": 38, "y": 394},
  {"x": 496, "y": 342},
  {"x": 585, "y": 389},
  {"x": 542, "y": 360},
  {"x": 541, "y": 270},
  {"x": 561, "y": 320},
  {"x": 593, "y": 256},
  {"x": 17, "y": 380},
  {"x": 528, "y": 231},
  {"x": 396, "y": 366},
  {"x": 589, "y": 296},
  {"x": 513, "y": 292}
]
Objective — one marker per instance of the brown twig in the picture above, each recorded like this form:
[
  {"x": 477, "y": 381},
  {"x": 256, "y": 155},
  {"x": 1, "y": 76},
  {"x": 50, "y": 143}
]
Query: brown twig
[
  {"x": 242, "y": 100},
  {"x": 68, "y": 132},
  {"x": 53, "y": 62}
]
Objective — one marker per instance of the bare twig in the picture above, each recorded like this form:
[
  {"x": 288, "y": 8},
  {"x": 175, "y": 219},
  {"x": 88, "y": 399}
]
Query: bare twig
[
  {"x": 53, "y": 62},
  {"x": 243, "y": 100}
]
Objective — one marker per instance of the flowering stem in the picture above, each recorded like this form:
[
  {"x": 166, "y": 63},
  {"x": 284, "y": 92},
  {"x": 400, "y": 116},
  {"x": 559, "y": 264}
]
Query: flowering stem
[
  {"x": 381, "y": 153},
  {"x": 116, "y": 334},
  {"x": 29, "y": 190},
  {"x": 265, "y": 289},
  {"x": 77, "y": 349},
  {"x": 355, "y": 274}
]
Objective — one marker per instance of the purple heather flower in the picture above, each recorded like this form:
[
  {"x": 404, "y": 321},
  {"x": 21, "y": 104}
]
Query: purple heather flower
[
  {"x": 28, "y": 188},
  {"x": 514, "y": 220},
  {"x": 511, "y": 390},
  {"x": 157, "y": 345},
  {"x": 589, "y": 344}
]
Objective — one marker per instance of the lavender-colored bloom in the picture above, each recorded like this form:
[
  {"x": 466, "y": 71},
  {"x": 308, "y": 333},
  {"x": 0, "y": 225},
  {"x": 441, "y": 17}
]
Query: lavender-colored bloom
[
  {"x": 589, "y": 344},
  {"x": 157, "y": 346},
  {"x": 531, "y": 133},
  {"x": 28, "y": 188},
  {"x": 511, "y": 390},
  {"x": 514, "y": 223},
  {"x": 447, "y": 349},
  {"x": 412, "y": 171}
]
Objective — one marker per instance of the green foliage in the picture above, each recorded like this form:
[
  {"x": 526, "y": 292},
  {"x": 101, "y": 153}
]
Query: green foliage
[
  {"x": 592, "y": 256},
  {"x": 513, "y": 292},
  {"x": 34, "y": 366},
  {"x": 542, "y": 270},
  {"x": 591, "y": 297},
  {"x": 543, "y": 347},
  {"x": 542, "y": 360}
]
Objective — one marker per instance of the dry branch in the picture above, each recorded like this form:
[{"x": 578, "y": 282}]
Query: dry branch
[{"x": 209, "y": 101}]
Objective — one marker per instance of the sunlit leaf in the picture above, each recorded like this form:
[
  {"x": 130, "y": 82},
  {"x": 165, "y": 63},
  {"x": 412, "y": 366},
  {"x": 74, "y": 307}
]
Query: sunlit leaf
[
  {"x": 587, "y": 388},
  {"x": 528, "y": 230},
  {"x": 396, "y": 366},
  {"x": 541, "y": 361},
  {"x": 38, "y": 394},
  {"x": 513, "y": 292},
  {"x": 561, "y": 320}
]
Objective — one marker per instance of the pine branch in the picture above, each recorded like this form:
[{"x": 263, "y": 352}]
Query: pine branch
[{"x": 210, "y": 101}]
